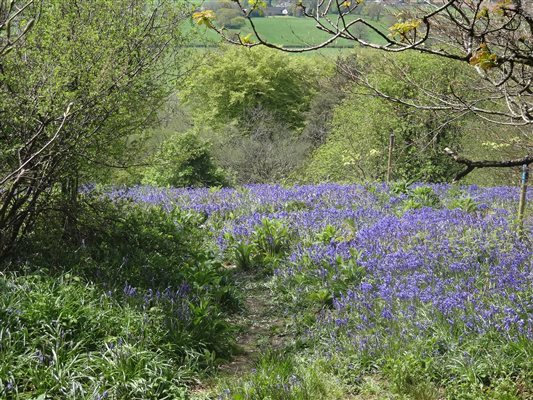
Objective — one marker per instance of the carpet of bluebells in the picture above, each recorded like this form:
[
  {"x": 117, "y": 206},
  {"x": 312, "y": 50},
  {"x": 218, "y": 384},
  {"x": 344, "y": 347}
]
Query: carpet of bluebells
[{"x": 421, "y": 281}]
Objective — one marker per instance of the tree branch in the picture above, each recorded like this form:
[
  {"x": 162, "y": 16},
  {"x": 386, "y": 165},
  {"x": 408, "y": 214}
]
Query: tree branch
[{"x": 471, "y": 165}]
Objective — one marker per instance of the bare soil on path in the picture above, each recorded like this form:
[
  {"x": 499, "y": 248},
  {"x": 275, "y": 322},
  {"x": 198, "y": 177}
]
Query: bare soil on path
[
  {"x": 262, "y": 328},
  {"x": 261, "y": 325}
]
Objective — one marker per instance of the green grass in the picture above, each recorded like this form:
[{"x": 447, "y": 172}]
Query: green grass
[
  {"x": 293, "y": 32},
  {"x": 284, "y": 377},
  {"x": 63, "y": 338}
]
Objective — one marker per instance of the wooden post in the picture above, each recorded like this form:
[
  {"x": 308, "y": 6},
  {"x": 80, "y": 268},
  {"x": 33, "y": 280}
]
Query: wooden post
[
  {"x": 389, "y": 163},
  {"x": 523, "y": 199}
]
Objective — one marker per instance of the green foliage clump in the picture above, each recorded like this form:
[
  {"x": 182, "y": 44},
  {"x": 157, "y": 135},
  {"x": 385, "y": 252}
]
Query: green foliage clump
[
  {"x": 357, "y": 147},
  {"x": 272, "y": 239},
  {"x": 464, "y": 203},
  {"x": 244, "y": 255},
  {"x": 327, "y": 235},
  {"x": 315, "y": 292},
  {"x": 422, "y": 196},
  {"x": 279, "y": 377},
  {"x": 117, "y": 241},
  {"x": 64, "y": 338},
  {"x": 184, "y": 160},
  {"x": 142, "y": 311},
  {"x": 268, "y": 244},
  {"x": 230, "y": 18},
  {"x": 232, "y": 83}
]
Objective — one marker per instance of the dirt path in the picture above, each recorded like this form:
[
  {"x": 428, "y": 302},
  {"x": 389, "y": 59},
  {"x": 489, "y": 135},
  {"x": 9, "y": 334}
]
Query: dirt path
[{"x": 262, "y": 326}]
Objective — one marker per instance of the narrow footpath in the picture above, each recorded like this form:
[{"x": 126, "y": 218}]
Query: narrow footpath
[{"x": 262, "y": 328}]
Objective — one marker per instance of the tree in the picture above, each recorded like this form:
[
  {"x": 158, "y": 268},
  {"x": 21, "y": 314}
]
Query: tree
[
  {"x": 229, "y": 84},
  {"x": 253, "y": 106},
  {"x": 230, "y": 18},
  {"x": 261, "y": 150},
  {"x": 15, "y": 23},
  {"x": 318, "y": 118},
  {"x": 73, "y": 90},
  {"x": 358, "y": 144},
  {"x": 374, "y": 11},
  {"x": 496, "y": 39},
  {"x": 228, "y": 13}
]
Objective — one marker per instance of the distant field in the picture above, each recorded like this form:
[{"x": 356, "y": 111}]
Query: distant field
[{"x": 294, "y": 32}]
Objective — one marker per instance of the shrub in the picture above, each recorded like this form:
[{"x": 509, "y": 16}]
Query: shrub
[
  {"x": 422, "y": 196},
  {"x": 463, "y": 203},
  {"x": 272, "y": 239},
  {"x": 142, "y": 311},
  {"x": 184, "y": 161},
  {"x": 230, "y": 18}
]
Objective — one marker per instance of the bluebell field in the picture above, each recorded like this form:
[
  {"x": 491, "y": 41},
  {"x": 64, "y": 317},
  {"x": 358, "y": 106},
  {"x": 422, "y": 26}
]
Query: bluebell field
[
  {"x": 394, "y": 292},
  {"x": 435, "y": 271}
]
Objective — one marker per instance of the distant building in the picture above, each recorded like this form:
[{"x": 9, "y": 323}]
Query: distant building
[{"x": 275, "y": 11}]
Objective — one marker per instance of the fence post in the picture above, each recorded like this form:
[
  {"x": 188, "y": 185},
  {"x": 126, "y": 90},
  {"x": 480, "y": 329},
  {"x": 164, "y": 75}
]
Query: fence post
[
  {"x": 523, "y": 199},
  {"x": 389, "y": 163}
]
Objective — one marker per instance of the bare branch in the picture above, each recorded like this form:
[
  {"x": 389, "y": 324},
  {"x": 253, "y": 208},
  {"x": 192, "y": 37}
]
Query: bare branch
[{"x": 471, "y": 165}]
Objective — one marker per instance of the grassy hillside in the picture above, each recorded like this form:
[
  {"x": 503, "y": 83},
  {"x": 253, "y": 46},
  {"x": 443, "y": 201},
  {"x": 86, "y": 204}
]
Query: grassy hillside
[{"x": 291, "y": 32}]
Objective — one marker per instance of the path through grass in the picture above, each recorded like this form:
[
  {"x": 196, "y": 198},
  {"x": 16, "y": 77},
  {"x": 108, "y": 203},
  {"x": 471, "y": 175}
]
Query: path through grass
[{"x": 263, "y": 328}]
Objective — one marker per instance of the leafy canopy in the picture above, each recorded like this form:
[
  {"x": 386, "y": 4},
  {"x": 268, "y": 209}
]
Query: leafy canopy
[{"x": 230, "y": 83}]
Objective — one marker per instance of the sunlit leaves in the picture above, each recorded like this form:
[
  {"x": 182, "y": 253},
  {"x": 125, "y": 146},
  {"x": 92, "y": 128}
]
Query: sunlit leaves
[
  {"x": 483, "y": 13},
  {"x": 495, "y": 146},
  {"x": 247, "y": 39},
  {"x": 502, "y": 7},
  {"x": 257, "y": 4},
  {"x": 350, "y": 3},
  {"x": 483, "y": 58},
  {"x": 204, "y": 18},
  {"x": 403, "y": 29},
  {"x": 240, "y": 80}
]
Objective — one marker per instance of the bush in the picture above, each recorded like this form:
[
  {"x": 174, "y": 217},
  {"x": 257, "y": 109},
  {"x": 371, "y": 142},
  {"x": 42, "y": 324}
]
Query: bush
[
  {"x": 236, "y": 22},
  {"x": 230, "y": 18},
  {"x": 184, "y": 161},
  {"x": 117, "y": 240},
  {"x": 422, "y": 196},
  {"x": 261, "y": 150},
  {"x": 269, "y": 243},
  {"x": 142, "y": 310}
]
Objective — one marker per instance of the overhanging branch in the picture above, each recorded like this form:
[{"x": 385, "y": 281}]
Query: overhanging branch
[{"x": 471, "y": 165}]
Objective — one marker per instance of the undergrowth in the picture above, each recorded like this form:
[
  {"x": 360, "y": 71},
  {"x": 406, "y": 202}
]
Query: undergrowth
[{"x": 127, "y": 302}]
